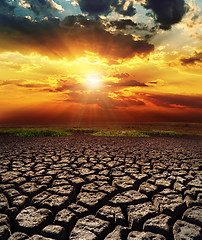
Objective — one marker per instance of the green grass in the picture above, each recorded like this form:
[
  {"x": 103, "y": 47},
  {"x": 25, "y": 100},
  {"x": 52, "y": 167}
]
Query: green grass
[
  {"x": 43, "y": 132},
  {"x": 80, "y": 130},
  {"x": 121, "y": 133},
  {"x": 36, "y": 132},
  {"x": 161, "y": 132},
  {"x": 134, "y": 133}
]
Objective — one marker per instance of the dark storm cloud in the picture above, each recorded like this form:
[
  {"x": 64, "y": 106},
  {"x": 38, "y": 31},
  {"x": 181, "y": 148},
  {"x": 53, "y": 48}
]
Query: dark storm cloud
[
  {"x": 167, "y": 12},
  {"x": 44, "y": 8},
  {"x": 78, "y": 21},
  {"x": 68, "y": 38},
  {"x": 5, "y": 7},
  {"x": 22, "y": 26},
  {"x": 197, "y": 58},
  {"x": 119, "y": 7},
  {"x": 95, "y": 7},
  {"x": 104, "y": 7},
  {"x": 41, "y": 6},
  {"x": 127, "y": 26},
  {"x": 176, "y": 101},
  {"x": 123, "y": 24}
]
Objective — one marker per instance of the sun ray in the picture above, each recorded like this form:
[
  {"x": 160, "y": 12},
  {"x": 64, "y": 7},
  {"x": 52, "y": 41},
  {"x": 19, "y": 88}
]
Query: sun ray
[{"x": 94, "y": 82}]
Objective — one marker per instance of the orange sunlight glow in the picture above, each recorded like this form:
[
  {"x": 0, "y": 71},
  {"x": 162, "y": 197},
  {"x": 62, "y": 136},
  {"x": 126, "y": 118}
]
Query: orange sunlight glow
[{"x": 94, "y": 82}]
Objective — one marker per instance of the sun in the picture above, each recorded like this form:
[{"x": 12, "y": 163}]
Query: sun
[{"x": 94, "y": 82}]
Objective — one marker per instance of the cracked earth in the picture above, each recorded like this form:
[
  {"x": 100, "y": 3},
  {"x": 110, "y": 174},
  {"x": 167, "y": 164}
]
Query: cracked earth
[{"x": 82, "y": 187}]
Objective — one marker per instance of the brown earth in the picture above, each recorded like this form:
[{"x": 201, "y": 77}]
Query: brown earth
[{"x": 86, "y": 187}]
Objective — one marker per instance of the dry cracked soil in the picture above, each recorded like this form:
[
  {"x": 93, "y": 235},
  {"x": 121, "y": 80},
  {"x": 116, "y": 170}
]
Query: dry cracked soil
[{"x": 82, "y": 187}]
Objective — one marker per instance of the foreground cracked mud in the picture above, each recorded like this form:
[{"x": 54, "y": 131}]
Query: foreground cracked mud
[{"x": 82, "y": 187}]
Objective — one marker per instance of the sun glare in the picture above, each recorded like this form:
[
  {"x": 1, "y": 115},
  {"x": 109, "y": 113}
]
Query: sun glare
[{"x": 94, "y": 82}]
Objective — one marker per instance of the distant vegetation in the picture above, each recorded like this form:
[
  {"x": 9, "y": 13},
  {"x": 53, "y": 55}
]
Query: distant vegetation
[
  {"x": 80, "y": 130},
  {"x": 43, "y": 132},
  {"x": 133, "y": 133},
  {"x": 121, "y": 133},
  {"x": 36, "y": 132},
  {"x": 161, "y": 132}
]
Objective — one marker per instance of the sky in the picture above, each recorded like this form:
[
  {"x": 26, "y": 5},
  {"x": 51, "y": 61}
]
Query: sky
[{"x": 100, "y": 61}]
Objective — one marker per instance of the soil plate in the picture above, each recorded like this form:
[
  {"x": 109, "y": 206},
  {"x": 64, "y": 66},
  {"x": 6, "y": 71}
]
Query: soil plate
[{"x": 83, "y": 187}]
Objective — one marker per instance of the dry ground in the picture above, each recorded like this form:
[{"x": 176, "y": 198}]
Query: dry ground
[{"x": 87, "y": 187}]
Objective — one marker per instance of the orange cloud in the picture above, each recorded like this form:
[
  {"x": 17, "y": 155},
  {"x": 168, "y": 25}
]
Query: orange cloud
[
  {"x": 175, "y": 100},
  {"x": 197, "y": 58}
]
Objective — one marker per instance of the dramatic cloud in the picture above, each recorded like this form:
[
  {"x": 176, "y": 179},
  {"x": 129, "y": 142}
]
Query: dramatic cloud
[
  {"x": 95, "y": 7},
  {"x": 123, "y": 24},
  {"x": 131, "y": 83},
  {"x": 139, "y": 29},
  {"x": 94, "y": 60},
  {"x": 104, "y": 7},
  {"x": 37, "y": 8},
  {"x": 126, "y": 84},
  {"x": 119, "y": 7},
  {"x": 176, "y": 101},
  {"x": 102, "y": 100},
  {"x": 45, "y": 7},
  {"x": 197, "y": 58},
  {"x": 63, "y": 86},
  {"x": 167, "y": 12},
  {"x": 69, "y": 38},
  {"x": 5, "y": 7}
]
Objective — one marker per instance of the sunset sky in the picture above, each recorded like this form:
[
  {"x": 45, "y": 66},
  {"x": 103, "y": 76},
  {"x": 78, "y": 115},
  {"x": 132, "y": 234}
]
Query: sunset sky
[{"x": 100, "y": 61}]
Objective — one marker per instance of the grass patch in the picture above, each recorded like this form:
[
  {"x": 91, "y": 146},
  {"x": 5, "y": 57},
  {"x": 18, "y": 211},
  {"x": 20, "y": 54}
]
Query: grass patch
[
  {"x": 80, "y": 130},
  {"x": 121, "y": 133},
  {"x": 161, "y": 132},
  {"x": 134, "y": 133},
  {"x": 36, "y": 132},
  {"x": 43, "y": 132}
]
